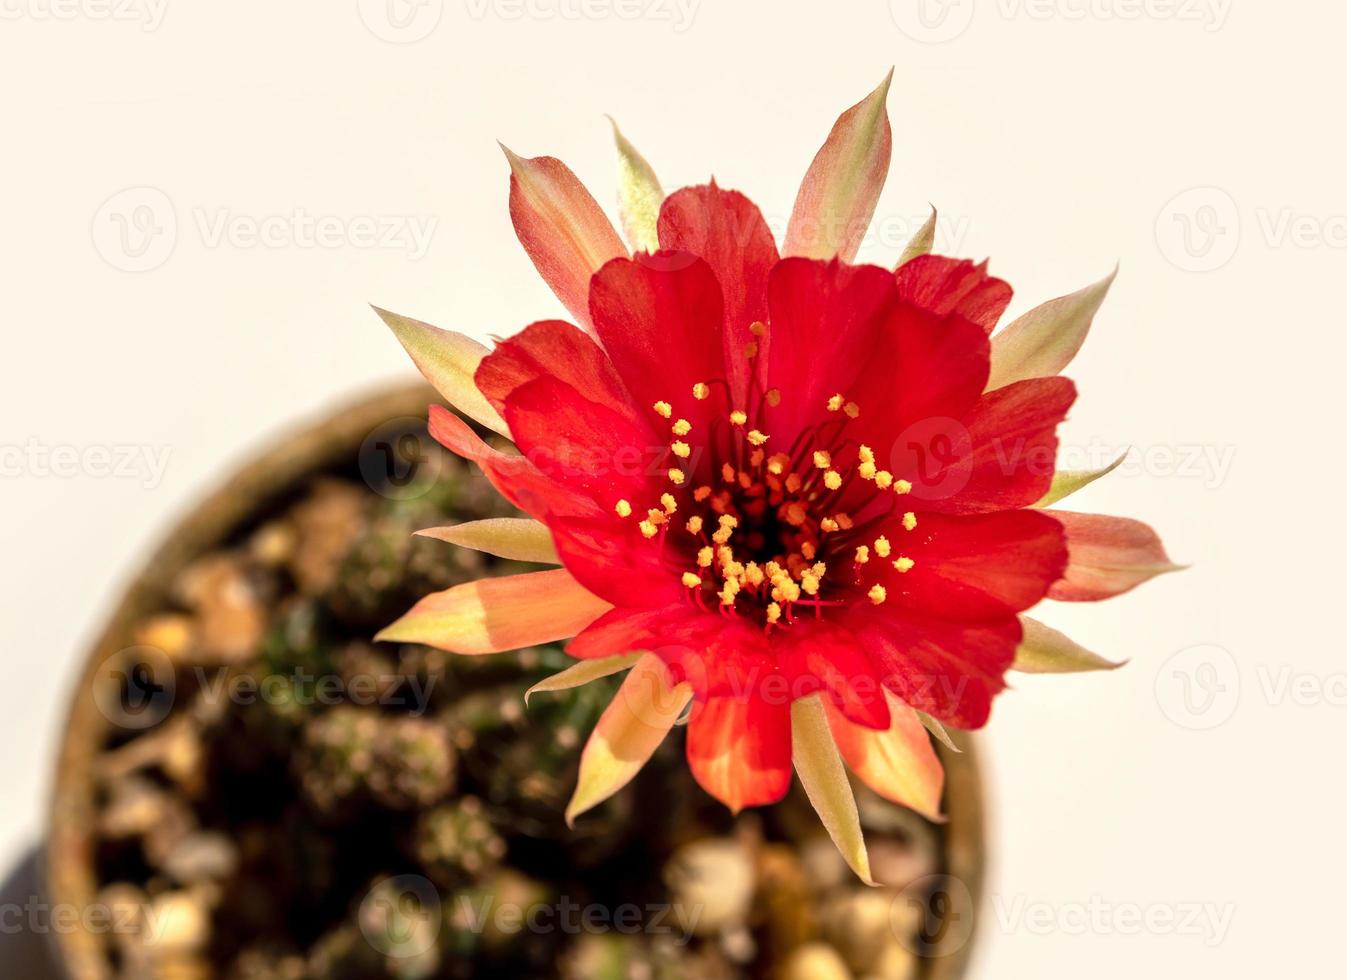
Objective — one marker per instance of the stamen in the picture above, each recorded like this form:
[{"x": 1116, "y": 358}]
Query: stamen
[
  {"x": 694, "y": 525},
  {"x": 668, "y": 502},
  {"x": 882, "y": 546},
  {"x": 682, "y": 427},
  {"x": 878, "y": 594},
  {"x": 822, "y": 459},
  {"x": 738, "y": 417},
  {"x": 862, "y": 555},
  {"x": 832, "y": 480},
  {"x": 681, "y": 449},
  {"x": 835, "y": 403},
  {"x": 701, "y": 391},
  {"x": 676, "y": 477},
  {"x": 904, "y": 564},
  {"x": 757, "y": 438},
  {"x": 664, "y": 409},
  {"x": 774, "y": 397},
  {"x": 909, "y": 520},
  {"x": 623, "y": 509},
  {"x": 692, "y": 580},
  {"x": 883, "y": 479},
  {"x": 902, "y": 486},
  {"x": 648, "y": 529}
]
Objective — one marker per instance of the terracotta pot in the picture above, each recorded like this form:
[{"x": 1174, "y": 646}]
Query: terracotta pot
[{"x": 335, "y": 442}]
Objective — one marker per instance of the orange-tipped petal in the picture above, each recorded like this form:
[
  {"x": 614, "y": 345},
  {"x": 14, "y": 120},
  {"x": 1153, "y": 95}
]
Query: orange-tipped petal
[
  {"x": 898, "y": 763},
  {"x": 1067, "y": 482},
  {"x": 738, "y": 749},
  {"x": 1107, "y": 556},
  {"x": 825, "y": 781},
  {"x": 922, "y": 242},
  {"x": 639, "y": 195},
  {"x": 562, "y": 228},
  {"x": 491, "y": 615},
  {"x": 838, "y": 195},
  {"x": 516, "y": 538},
  {"x": 1044, "y": 340},
  {"x": 1046, "y": 651},
  {"x": 628, "y": 733},
  {"x": 582, "y": 673},
  {"x": 448, "y": 360}
]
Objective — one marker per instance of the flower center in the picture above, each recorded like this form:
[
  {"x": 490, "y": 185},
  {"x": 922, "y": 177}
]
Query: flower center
[{"x": 767, "y": 535}]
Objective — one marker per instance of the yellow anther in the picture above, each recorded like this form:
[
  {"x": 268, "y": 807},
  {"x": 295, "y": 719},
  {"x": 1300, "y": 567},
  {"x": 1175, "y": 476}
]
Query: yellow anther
[
  {"x": 694, "y": 525},
  {"x": 809, "y": 550},
  {"x": 705, "y": 556},
  {"x": 835, "y": 403},
  {"x": 791, "y": 591},
  {"x": 774, "y": 397},
  {"x": 753, "y": 574},
  {"x": 809, "y": 583},
  {"x": 773, "y": 612},
  {"x": 727, "y": 472},
  {"x": 681, "y": 449},
  {"x": 656, "y": 516},
  {"x": 845, "y": 522},
  {"x": 904, "y": 564},
  {"x": 682, "y": 427},
  {"x": 909, "y": 520},
  {"x": 701, "y": 391},
  {"x": 757, "y": 328},
  {"x": 623, "y": 509},
  {"x": 756, "y": 458},
  {"x": 878, "y": 594},
  {"x": 862, "y": 555},
  {"x": 771, "y": 570},
  {"x": 793, "y": 483},
  {"x": 902, "y": 486},
  {"x": 668, "y": 502},
  {"x": 820, "y": 569},
  {"x": 777, "y": 464},
  {"x": 852, "y": 409},
  {"x": 867, "y": 454},
  {"x": 756, "y": 437},
  {"x": 692, "y": 580},
  {"x": 738, "y": 417},
  {"x": 883, "y": 479},
  {"x": 648, "y": 529},
  {"x": 723, "y": 535},
  {"x": 796, "y": 513},
  {"x": 832, "y": 480},
  {"x": 730, "y": 590},
  {"x": 866, "y": 471},
  {"x": 882, "y": 546},
  {"x": 700, "y": 494},
  {"x": 676, "y": 477},
  {"x": 728, "y": 520},
  {"x": 745, "y": 479},
  {"x": 822, "y": 460},
  {"x": 829, "y": 525}
]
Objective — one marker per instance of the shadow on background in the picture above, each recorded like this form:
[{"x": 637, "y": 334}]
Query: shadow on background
[{"x": 24, "y": 953}]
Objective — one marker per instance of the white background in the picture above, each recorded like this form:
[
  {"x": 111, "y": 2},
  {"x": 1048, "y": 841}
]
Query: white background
[{"x": 1054, "y": 137}]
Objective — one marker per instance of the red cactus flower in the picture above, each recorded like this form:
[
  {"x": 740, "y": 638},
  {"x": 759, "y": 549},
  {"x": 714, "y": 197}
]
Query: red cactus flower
[{"x": 803, "y": 495}]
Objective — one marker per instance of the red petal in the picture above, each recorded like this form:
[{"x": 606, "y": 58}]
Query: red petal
[
  {"x": 661, "y": 319},
  {"x": 826, "y": 657},
  {"x": 739, "y": 749},
  {"x": 727, "y": 230},
  {"x": 948, "y": 670},
  {"x": 589, "y": 447},
  {"x": 564, "y": 231},
  {"x": 614, "y": 560},
  {"x": 517, "y": 479},
  {"x": 825, "y": 321},
  {"x": 557, "y": 349},
  {"x": 1108, "y": 556},
  {"x": 1001, "y": 456},
  {"x": 975, "y": 567},
  {"x": 946, "y": 286}
]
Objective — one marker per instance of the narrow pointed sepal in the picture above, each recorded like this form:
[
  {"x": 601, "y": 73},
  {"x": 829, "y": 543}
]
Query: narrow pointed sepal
[
  {"x": 1044, "y": 650},
  {"x": 898, "y": 763},
  {"x": 1067, "y": 482},
  {"x": 631, "y": 728},
  {"x": 497, "y": 614},
  {"x": 581, "y": 673},
  {"x": 515, "y": 538},
  {"x": 448, "y": 360},
  {"x": 819, "y": 766},
  {"x": 639, "y": 195},
  {"x": 562, "y": 228},
  {"x": 938, "y": 731},
  {"x": 1043, "y": 341},
  {"x": 922, "y": 242},
  {"x": 839, "y": 193}
]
